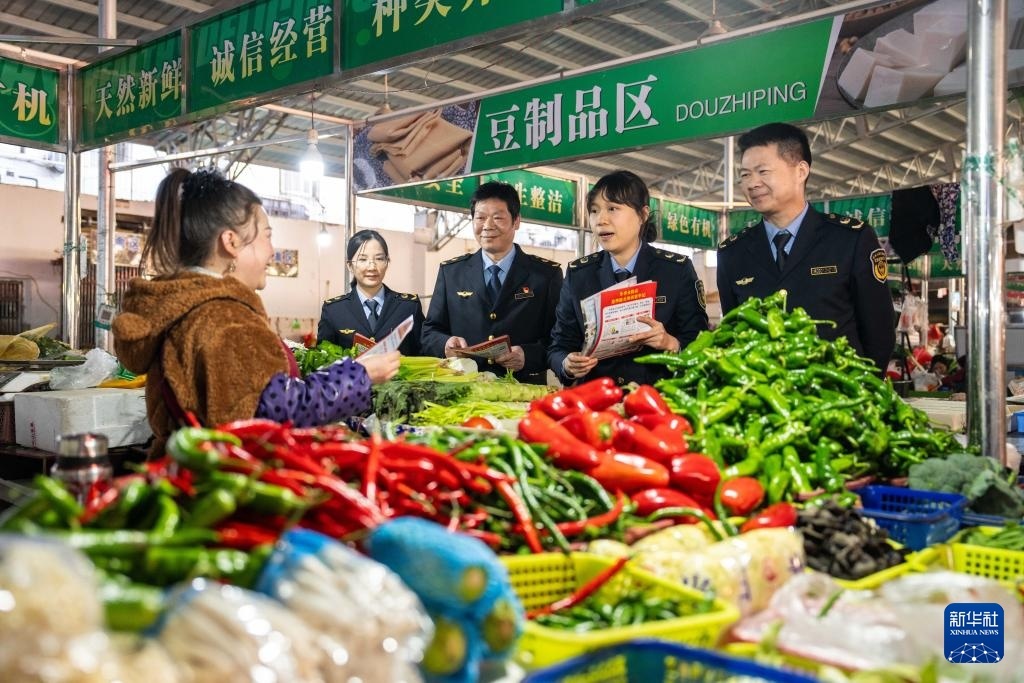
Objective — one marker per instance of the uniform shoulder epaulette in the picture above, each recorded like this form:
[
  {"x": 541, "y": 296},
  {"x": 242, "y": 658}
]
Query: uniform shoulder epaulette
[
  {"x": 845, "y": 221},
  {"x": 732, "y": 239},
  {"x": 407, "y": 297},
  {"x": 671, "y": 256},
  {"x": 546, "y": 262},
  {"x": 589, "y": 259},
  {"x": 463, "y": 257},
  {"x": 338, "y": 298}
]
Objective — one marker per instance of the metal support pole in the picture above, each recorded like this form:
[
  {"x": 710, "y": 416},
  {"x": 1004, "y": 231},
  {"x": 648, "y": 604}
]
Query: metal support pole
[
  {"x": 728, "y": 186},
  {"x": 582, "y": 188},
  {"x": 71, "y": 275},
  {"x": 983, "y": 226},
  {"x": 106, "y": 211},
  {"x": 350, "y": 193}
]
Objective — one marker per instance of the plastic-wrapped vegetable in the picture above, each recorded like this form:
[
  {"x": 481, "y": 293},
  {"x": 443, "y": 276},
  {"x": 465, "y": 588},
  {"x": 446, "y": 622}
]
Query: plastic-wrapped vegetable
[
  {"x": 218, "y": 633},
  {"x": 370, "y": 625},
  {"x": 51, "y": 619}
]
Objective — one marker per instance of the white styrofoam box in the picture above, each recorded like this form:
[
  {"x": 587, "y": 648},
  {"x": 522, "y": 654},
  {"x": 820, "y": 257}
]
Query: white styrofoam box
[
  {"x": 889, "y": 86},
  {"x": 119, "y": 414},
  {"x": 857, "y": 73}
]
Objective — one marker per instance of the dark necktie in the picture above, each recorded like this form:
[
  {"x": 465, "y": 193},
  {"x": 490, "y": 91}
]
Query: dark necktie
[
  {"x": 781, "y": 240},
  {"x": 494, "y": 283},
  {"x": 371, "y": 315},
  {"x": 621, "y": 275}
]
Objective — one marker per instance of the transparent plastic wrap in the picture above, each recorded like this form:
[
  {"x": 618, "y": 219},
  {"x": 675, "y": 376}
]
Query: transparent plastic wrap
[
  {"x": 368, "y": 623},
  {"x": 902, "y": 623},
  {"x": 217, "y": 633},
  {"x": 98, "y": 366},
  {"x": 51, "y": 618}
]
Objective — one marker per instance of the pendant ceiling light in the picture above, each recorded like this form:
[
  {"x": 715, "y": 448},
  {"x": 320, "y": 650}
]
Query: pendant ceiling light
[{"x": 311, "y": 166}]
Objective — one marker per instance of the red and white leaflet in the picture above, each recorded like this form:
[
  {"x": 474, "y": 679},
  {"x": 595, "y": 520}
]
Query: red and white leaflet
[
  {"x": 492, "y": 348},
  {"x": 610, "y": 317},
  {"x": 362, "y": 344},
  {"x": 392, "y": 341}
]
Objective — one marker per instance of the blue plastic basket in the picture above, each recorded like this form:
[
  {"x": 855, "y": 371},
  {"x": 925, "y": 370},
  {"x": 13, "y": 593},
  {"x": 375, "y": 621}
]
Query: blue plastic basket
[
  {"x": 658, "y": 661},
  {"x": 915, "y": 518}
]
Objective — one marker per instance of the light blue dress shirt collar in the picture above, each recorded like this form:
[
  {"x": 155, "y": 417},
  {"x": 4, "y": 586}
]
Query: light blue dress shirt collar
[
  {"x": 505, "y": 263},
  {"x": 793, "y": 228},
  {"x": 378, "y": 297},
  {"x": 630, "y": 265}
]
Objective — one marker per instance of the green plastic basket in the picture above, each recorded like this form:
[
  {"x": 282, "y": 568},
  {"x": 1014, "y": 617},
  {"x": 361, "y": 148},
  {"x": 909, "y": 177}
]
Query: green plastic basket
[{"x": 541, "y": 579}]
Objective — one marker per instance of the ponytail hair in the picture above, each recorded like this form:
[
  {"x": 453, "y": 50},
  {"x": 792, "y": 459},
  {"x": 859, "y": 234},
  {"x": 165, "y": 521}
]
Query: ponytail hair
[
  {"x": 626, "y": 187},
  {"x": 192, "y": 210}
]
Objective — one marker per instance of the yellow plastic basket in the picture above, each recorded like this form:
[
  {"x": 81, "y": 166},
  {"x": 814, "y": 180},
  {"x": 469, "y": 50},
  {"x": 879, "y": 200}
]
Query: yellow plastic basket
[
  {"x": 914, "y": 562},
  {"x": 1005, "y": 566},
  {"x": 542, "y": 579}
]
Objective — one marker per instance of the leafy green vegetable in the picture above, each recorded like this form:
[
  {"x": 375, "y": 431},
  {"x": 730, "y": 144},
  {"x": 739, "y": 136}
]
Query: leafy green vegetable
[
  {"x": 986, "y": 484},
  {"x": 322, "y": 355}
]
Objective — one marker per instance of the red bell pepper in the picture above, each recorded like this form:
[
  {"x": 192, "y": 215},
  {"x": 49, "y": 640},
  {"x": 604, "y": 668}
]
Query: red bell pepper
[
  {"x": 635, "y": 438},
  {"x": 564, "y": 449},
  {"x": 593, "y": 427},
  {"x": 645, "y": 400},
  {"x": 673, "y": 422},
  {"x": 773, "y": 516},
  {"x": 560, "y": 404},
  {"x": 741, "y": 495},
  {"x": 649, "y": 501},
  {"x": 599, "y": 394},
  {"x": 629, "y": 472},
  {"x": 695, "y": 475}
]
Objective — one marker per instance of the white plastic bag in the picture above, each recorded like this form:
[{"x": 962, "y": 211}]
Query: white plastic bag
[{"x": 98, "y": 366}]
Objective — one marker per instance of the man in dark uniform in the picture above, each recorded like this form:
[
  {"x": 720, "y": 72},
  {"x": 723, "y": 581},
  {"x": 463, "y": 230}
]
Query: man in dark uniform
[
  {"x": 343, "y": 316},
  {"x": 499, "y": 289},
  {"x": 832, "y": 266}
]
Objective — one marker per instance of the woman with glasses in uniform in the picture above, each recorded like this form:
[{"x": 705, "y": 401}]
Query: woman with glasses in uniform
[{"x": 371, "y": 308}]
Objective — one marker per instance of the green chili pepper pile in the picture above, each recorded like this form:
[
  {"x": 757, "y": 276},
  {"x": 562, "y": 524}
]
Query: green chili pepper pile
[
  {"x": 769, "y": 398},
  {"x": 628, "y": 609}
]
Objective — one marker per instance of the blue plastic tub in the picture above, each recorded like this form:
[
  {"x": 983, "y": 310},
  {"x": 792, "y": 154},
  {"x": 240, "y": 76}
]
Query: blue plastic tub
[
  {"x": 658, "y": 661},
  {"x": 915, "y": 518}
]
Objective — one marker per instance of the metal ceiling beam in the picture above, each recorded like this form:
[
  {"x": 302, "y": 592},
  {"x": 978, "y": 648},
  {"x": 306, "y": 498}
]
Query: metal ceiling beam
[
  {"x": 39, "y": 27},
  {"x": 92, "y": 11},
  {"x": 190, "y": 5},
  {"x": 573, "y": 34},
  {"x": 492, "y": 67}
]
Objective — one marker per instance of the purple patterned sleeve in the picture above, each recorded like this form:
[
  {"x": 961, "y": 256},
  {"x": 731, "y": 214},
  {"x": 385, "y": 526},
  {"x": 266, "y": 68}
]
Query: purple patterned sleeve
[{"x": 336, "y": 392}]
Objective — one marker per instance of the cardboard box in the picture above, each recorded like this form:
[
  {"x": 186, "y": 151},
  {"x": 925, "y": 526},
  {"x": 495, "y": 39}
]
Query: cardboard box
[{"x": 119, "y": 414}]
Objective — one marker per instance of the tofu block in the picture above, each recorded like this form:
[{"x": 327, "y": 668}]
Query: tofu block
[
  {"x": 857, "y": 74},
  {"x": 944, "y": 45},
  {"x": 929, "y": 15},
  {"x": 889, "y": 85},
  {"x": 1014, "y": 67},
  {"x": 904, "y": 47},
  {"x": 953, "y": 83},
  {"x": 119, "y": 414}
]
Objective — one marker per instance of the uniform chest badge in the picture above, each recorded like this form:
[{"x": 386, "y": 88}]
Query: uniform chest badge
[
  {"x": 465, "y": 295},
  {"x": 524, "y": 292},
  {"x": 879, "y": 265},
  {"x": 744, "y": 281},
  {"x": 346, "y": 331},
  {"x": 824, "y": 270}
]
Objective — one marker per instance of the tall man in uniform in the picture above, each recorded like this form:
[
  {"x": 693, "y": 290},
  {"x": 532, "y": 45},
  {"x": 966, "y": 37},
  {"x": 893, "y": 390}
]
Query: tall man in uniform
[
  {"x": 831, "y": 265},
  {"x": 498, "y": 289}
]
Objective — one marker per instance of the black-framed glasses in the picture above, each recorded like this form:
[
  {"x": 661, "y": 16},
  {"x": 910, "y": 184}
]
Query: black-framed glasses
[{"x": 365, "y": 261}]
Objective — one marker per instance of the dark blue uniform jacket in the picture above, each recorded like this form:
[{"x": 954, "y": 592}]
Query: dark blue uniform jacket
[{"x": 344, "y": 315}]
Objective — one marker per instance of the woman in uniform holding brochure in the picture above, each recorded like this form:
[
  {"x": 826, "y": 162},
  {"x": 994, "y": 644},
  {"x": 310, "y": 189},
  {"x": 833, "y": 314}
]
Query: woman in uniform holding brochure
[
  {"x": 620, "y": 220},
  {"x": 370, "y": 309}
]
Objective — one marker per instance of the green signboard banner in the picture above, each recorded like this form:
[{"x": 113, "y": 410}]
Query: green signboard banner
[
  {"x": 134, "y": 90},
  {"x": 378, "y": 30},
  {"x": 688, "y": 225},
  {"x": 660, "y": 100},
  {"x": 29, "y": 102},
  {"x": 259, "y": 48},
  {"x": 875, "y": 211},
  {"x": 543, "y": 199}
]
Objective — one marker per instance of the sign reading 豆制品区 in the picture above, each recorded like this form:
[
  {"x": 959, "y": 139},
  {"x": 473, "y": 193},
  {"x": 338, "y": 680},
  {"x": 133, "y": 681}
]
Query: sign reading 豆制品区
[
  {"x": 136, "y": 89},
  {"x": 29, "y": 102},
  {"x": 665, "y": 99},
  {"x": 258, "y": 48}
]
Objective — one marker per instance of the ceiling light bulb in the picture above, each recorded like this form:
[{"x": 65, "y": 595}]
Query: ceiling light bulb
[
  {"x": 323, "y": 238},
  {"x": 311, "y": 166}
]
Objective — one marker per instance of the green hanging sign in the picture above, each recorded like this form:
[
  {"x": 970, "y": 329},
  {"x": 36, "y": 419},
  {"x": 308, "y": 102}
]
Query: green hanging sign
[
  {"x": 258, "y": 48},
  {"x": 131, "y": 92},
  {"x": 448, "y": 195},
  {"x": 380, "y": 30},
  {"x": 688, "y": 225},
  {"x": 875, "y": 211},
  {"x": 29, "y": 103},
  {"x": 543, "y": 199},
  {"x": 660, "y": 100}
]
